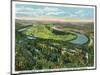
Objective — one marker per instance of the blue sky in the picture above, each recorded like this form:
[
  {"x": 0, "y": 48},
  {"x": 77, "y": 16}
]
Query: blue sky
[{"x": 40, "y": 10}]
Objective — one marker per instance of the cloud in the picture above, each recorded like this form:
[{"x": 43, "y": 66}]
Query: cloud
[
  {"x": 50, "y": 9},
  {"x": 54, "y": 13},
  {"x": 39, "y": 11},
  {"x": 26, "y": 9},
  {"x": 24, "y": 12},
  {"x": 77, "y": 15},
  {"x": 79, "y": 12},
  {"x": 73, "y": 15},
  {"x": 45, "y": 9}
]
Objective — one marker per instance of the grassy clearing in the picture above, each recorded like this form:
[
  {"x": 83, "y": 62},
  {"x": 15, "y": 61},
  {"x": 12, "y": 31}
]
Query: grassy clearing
[{"x": 42, "y": 31}]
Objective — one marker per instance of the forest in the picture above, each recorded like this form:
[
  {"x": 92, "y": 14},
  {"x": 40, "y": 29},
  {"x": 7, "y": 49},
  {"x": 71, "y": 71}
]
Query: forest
[{"x": 49, "y": 46}]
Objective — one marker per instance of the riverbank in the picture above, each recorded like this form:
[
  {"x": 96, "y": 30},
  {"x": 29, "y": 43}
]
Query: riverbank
[{"x": 81, "y": 38}]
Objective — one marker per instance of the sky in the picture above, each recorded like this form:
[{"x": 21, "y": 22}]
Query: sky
[{"x": 41, "y": 10}]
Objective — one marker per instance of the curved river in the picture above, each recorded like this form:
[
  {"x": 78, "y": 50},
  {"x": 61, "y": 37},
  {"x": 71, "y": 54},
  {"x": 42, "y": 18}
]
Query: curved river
[{"x": 81, "y": 39}]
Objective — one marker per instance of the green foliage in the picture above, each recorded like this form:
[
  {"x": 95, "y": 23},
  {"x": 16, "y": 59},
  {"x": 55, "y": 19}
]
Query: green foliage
[
  {"x": 49, "y": 49},
  {"x": 42, "y": 31}
]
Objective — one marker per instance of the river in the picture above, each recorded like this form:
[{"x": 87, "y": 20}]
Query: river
[{"x": 81, "y": 38}]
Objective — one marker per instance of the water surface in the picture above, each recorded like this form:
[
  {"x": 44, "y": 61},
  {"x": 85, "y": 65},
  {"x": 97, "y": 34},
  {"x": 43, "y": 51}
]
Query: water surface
[{"x": 81, "y": 39}]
